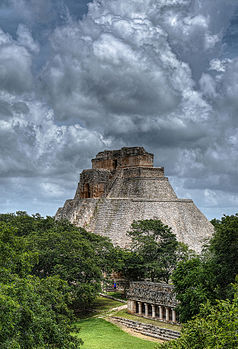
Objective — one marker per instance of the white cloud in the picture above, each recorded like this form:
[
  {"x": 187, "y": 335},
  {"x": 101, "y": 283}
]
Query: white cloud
[
  {"x": 219, "y": 65},
  {"x": 15, "y": 66},
  {"x": 139, "y": 72},
  {"x": 25, "y": 39}
]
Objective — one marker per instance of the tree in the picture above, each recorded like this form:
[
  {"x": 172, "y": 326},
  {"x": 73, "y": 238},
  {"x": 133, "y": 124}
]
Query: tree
[
  {"x": 156, "y": 244},
  {"x": 45, "y": 247},
  {"x": 215, "y": 326},
  {"x": 210, "y": 275},
  {"x": 67, "y": 251},
  {"x": 129, "y": 264},
  {"x": 24, "y": 223},
  {"x": 34, "y": 314},
  {"x": 14, "y": 255},
  {"x": 224, "y": 254},
  {"x": 193, "y": 282}
]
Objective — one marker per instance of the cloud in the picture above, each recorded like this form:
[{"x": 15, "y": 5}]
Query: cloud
[
  {"x": 120, "y": 66},
  {"x": 152, "y": 73},
  {"x": 15, "y": 66},
  {"x": 25, "y": 39}
]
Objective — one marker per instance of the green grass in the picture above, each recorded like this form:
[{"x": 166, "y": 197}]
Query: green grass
[
  {"x": 116, "y": 294},
  {"x": 101, "y": 306},
  {"x": 100, "y": 334},
  {"x": 123, "y": 313}
]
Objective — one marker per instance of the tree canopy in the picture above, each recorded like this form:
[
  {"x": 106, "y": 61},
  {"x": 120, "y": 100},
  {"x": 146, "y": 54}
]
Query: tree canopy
[
  {"x": 48, "y": 269},
  {"x": 223, "y": 250},
  {"x": 216, "y": 326},
  {"x": 210, "y": 275},
  {"x": 156, "y": 245},
  {"x": 34, "y": 314},
  {"x": 193, "y": 286}
]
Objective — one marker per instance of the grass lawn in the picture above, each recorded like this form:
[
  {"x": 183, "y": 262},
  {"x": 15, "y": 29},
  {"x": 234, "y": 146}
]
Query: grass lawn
[
  {"x": 123, "y": 313},
  {"x": 100, "y": 334},
  {"x": 116, "y": 294},
  {"x": 101, "y": 306}
]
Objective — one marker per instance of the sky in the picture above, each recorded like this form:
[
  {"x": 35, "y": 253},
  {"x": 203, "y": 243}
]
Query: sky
[{"x": 78, "y": 77}]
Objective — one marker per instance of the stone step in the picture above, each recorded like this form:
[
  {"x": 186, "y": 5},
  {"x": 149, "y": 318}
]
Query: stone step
[{"x": 148, "y": 329}]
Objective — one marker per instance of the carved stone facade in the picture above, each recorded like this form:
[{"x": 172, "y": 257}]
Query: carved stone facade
[
  {"x": 152, "y": 300},
  {"x": 123, "y": 186}
]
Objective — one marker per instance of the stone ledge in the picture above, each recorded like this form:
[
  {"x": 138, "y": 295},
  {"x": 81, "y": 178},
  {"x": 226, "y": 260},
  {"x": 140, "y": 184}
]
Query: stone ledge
[
  {"x": 148, "y": 329},
  {"x": 148, "y": 200}
]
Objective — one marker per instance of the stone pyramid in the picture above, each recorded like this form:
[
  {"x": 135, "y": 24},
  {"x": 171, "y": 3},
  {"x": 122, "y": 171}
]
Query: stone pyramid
[{"x": 123, "y": 186}]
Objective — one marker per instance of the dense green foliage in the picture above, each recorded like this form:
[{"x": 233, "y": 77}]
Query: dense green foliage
[
  {"x": 46, "y": 269},
  {"x": 34, "y": 314},
  {"x": 224, "y": 254},
  {"x": 14, "y": 255},
  {"x": 65, "y": 251},
  {"x": 129, "y": 264},
  {"x": 58, "y": 248},
  {"x": 210, "y": 275},
  {"x": 216, "y": 326},
  {"x": 155, "y": 247},
  {"x": 154, "y": 255},
  {"x": 193, "y": 285}
]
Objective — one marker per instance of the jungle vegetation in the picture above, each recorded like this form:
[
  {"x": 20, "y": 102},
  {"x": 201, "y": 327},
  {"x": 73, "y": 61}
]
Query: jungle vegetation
[{"x": 51, "y": 272}]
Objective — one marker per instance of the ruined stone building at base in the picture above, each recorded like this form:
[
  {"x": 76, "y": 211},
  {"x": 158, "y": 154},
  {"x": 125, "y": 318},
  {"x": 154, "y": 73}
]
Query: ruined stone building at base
[
  {"x": 123, "y": 186},
  {"x": 152, "y": 300}
]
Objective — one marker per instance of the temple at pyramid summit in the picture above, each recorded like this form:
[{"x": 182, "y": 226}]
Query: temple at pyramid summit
[{"x": 123, "y": 186}]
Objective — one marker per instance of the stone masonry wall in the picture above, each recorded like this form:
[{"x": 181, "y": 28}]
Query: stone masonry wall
[
  {"x": 113, "y": 218},
  {"x": 138, "y": 187},
  {"x": 143, "y": 172},
  {"x": 110, "y": 197},
  {"x": 93, "y": 183},
  {"x": 125, "y": 157},
  {"x": 152, "y": 292},
  {"x": 148, "y": 329}
]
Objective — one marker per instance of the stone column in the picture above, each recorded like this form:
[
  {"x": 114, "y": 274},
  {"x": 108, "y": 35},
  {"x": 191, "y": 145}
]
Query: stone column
[
  {"x": 139, "y": 308},
  {"x": 129, "y": 306},
  {"x": 153, "y": 311},
  {"x": 160, "y": 313},
  {"x": 146, "y": 309},
  {"x": 167, "y": 313},
  {"x": 173, "y": 315},
  {"x": 134, "y": 307}
]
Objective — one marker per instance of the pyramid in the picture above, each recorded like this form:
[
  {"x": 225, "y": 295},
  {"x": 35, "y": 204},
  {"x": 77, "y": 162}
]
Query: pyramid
[{"x": 123, "y": 186}]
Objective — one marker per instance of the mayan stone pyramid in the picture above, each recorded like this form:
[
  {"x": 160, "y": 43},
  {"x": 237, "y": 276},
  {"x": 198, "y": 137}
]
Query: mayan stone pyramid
[{"x": 123, "y": 186}]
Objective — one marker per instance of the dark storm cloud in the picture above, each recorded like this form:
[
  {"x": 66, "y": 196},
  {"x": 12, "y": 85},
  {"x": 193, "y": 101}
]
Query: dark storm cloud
[{"x": 75, "y": 80}]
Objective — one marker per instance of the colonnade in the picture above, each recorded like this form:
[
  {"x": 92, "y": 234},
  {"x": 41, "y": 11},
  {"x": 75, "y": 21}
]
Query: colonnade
[{"x": 159, "y": 312}]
